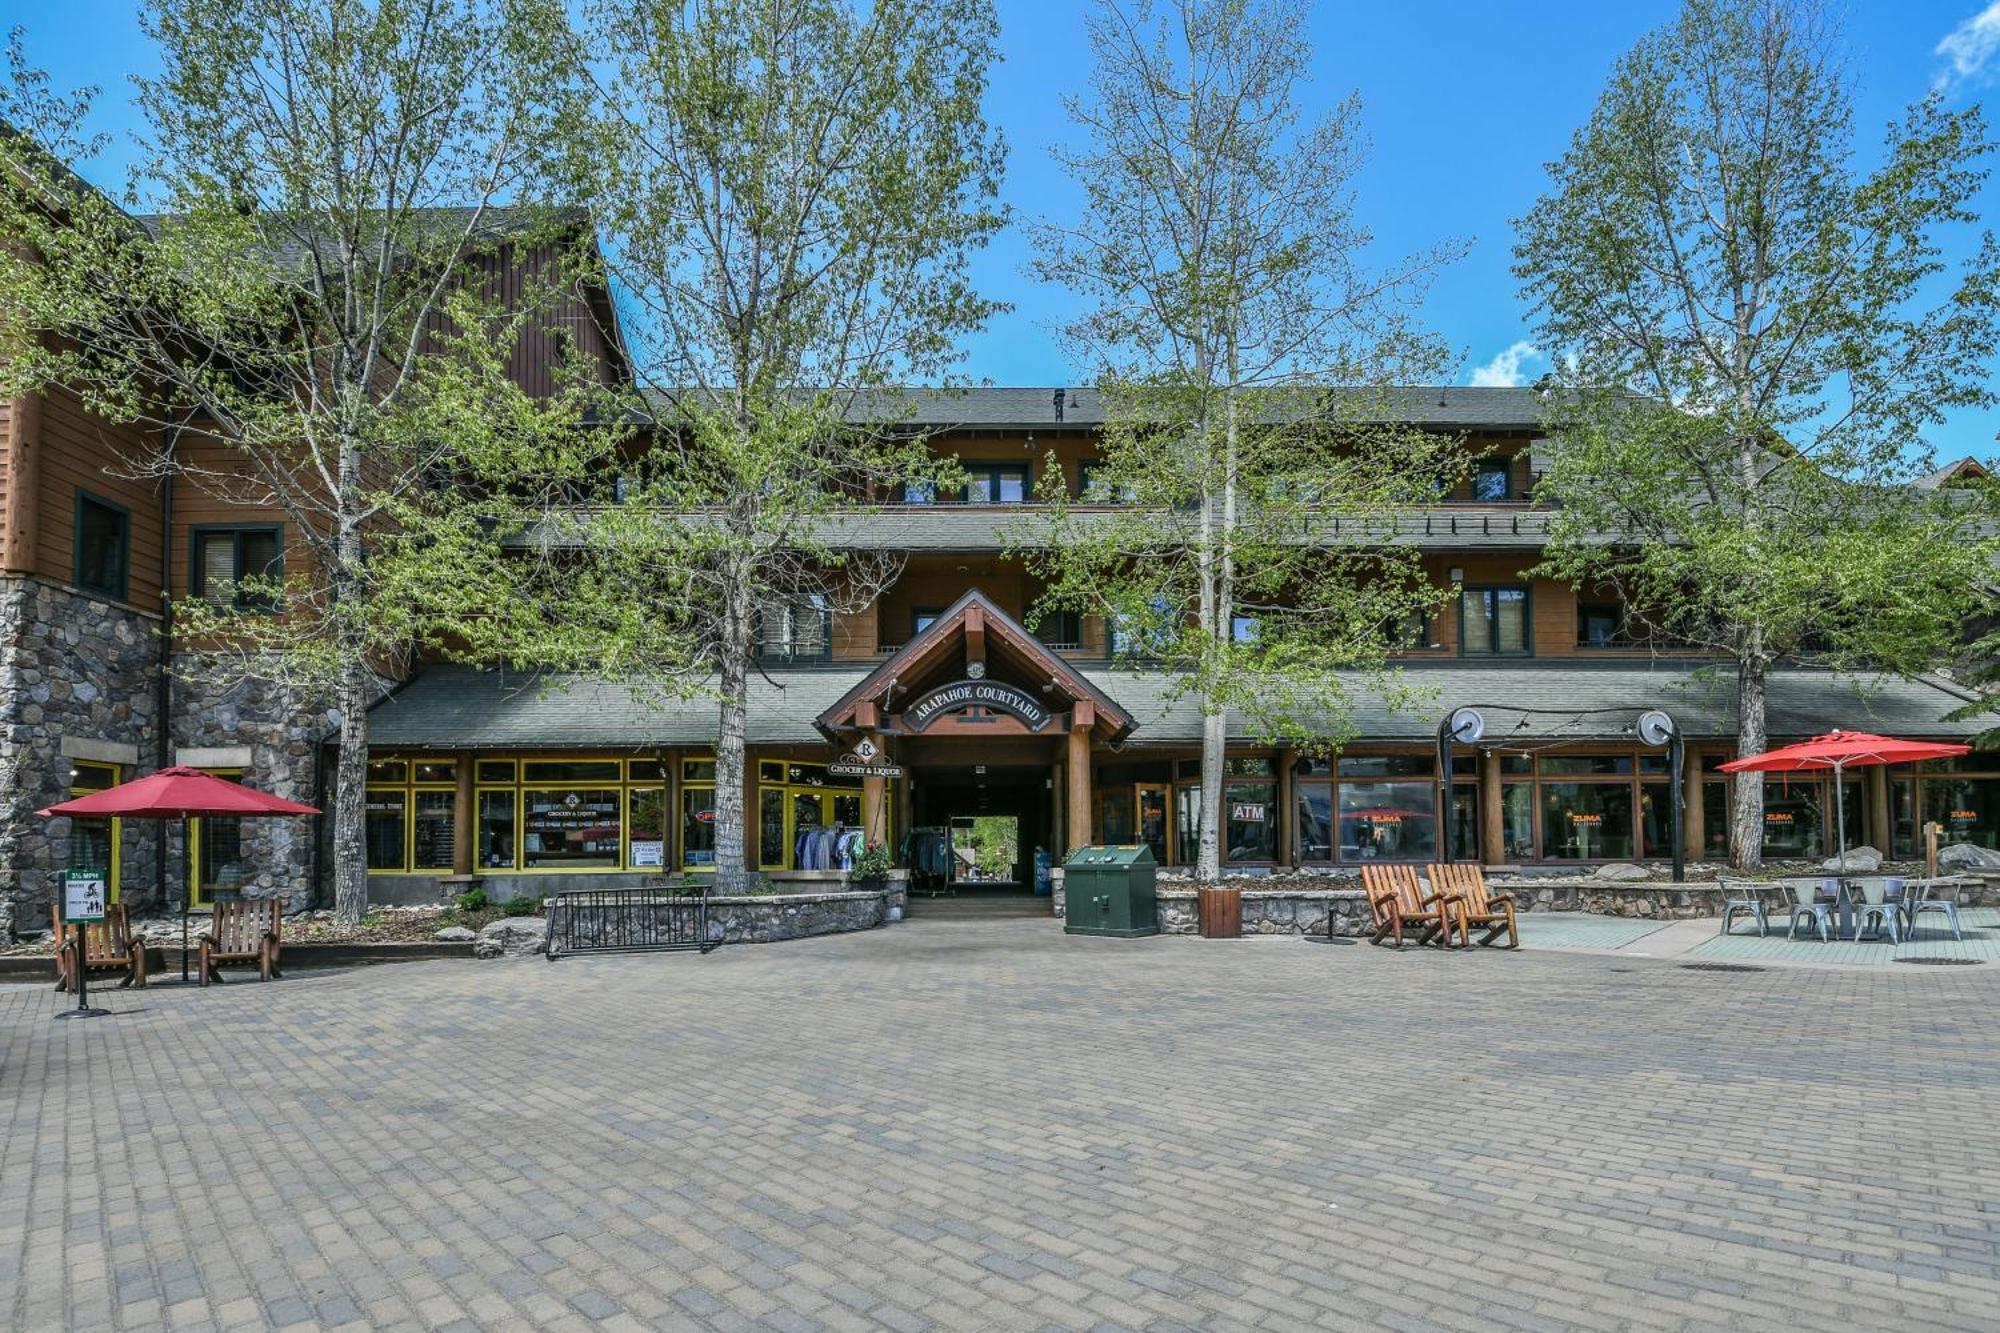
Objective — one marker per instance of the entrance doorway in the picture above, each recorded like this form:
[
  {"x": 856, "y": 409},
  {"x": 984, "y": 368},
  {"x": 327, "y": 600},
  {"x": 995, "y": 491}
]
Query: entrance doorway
[{"x": 997, "y": 818}]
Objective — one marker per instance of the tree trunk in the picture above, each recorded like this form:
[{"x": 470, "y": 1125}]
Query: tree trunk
[
  {"x": 1214, "y": 737},
  {"x": 1746, "y": 836},
  {"x": 350, "y": 792},
  {"x": 731, "y": 872}
]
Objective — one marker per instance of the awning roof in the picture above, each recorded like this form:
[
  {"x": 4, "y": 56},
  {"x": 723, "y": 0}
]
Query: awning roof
[{"x": 453, "y": 707}]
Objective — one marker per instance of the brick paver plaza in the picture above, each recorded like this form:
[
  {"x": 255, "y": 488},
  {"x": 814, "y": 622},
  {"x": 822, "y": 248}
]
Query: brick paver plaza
[{"x": 989, "y": 1125}]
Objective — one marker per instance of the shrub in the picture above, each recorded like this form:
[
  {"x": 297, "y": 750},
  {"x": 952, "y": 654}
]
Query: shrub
[
  {"x": 472, "y": 899},
  {"x": 522, "y": 905}
]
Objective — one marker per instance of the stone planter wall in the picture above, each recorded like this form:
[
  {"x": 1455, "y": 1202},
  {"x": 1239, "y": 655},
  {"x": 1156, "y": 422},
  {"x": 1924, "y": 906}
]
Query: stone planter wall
[
  {"x": 1278, "y": 911},
  {"x": 767, "y": 918}
]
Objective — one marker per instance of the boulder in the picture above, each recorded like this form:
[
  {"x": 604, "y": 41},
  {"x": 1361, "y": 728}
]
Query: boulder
[
  {"x": 1968, "y": 856},
  {"x": 1858, "y": 861},
  {"x": 1621, "y": 872},
  {"x": 511, "y": 937},
  {"x": 454, "y": 935}
]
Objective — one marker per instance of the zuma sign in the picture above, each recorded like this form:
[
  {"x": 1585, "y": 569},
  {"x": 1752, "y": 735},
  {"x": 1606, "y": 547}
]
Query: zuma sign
[{"x": 960, "y": 695}]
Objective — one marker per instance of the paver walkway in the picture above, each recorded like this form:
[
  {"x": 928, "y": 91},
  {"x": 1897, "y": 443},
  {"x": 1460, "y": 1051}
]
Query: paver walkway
[{"x": 990, "y": 1125}]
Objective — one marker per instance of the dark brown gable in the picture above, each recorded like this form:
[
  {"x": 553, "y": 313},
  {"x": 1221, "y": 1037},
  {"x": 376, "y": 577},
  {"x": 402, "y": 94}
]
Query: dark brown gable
[{"x": 975, "y": 661}]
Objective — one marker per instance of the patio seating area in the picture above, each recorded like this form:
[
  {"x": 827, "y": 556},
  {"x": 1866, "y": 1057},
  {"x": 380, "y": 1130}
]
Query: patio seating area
[{"x": 1932, "y": 939}]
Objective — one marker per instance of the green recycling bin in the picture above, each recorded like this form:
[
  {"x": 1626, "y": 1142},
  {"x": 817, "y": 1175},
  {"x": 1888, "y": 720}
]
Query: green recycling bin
[{"x": 1110, "y": 891}]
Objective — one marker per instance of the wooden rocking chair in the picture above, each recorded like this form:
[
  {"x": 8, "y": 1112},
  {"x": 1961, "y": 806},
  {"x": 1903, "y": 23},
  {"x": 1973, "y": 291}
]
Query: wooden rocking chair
[
  {"x": 107, "y": 946},
  {"x": 247, "y": 931},
  {"x": 1397, "y": 900},
  {"x": 1464, "y": 887}
]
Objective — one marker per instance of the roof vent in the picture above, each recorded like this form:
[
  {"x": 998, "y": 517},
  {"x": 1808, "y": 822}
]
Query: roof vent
[{"x": 1059, "y": 404}]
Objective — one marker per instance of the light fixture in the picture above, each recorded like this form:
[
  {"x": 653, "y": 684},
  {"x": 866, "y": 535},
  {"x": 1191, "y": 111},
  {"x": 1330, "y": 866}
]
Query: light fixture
[{"x": 1454, "y": 575}]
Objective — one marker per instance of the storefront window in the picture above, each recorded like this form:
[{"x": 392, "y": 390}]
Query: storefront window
[
  {"x": 1315, "y": 801},
  {"x": 387, "y": 827},
  {"x": 93, "y": 843},
  {"x": 496, "y": 828},
  {"x": 1586, "y": 821},
  {"x": 1517, "y": 821},
  {"x": 771, "y": 826},
  {"x": 574, "y": 828},
  {"x": 1715, "y": 819},
  {"x": 1966, "y": 809},
  {"x": 647, "y": 828},
  {"x": 436, "y": 828},
  {"x": 1391, "y": 821},
  {"x": 1187, "y": 822},
  {"x": 1253, "y": 820},
  {"x": 698, "y": 826}
]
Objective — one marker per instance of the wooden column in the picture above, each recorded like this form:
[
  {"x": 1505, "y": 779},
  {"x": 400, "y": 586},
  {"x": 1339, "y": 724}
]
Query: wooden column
[
  {"x": 1057, "y": 841},
  {"x": 1693, "y": 841},
  {"x": 751, "y": 815},
  {"x": 1878, "y": 833},
  {"x": 1492, "y": 820},
  {"x": 19, "y": 520},
  {"x": 1288, "y": 843},
  {"x": 1082, "y": 719},
  {"x": 670, "y": 818},
  {"x": 875, "y": 802},
  {"x": 464, "y": 819}
]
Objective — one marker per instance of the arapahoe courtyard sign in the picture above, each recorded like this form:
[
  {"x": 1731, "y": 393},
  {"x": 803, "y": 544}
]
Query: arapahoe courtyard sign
[{"x": 961, "y": 695}]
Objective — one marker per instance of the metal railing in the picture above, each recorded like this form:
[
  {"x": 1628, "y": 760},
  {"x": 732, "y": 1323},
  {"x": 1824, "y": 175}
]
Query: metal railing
[{"x": 655, "y": 918}]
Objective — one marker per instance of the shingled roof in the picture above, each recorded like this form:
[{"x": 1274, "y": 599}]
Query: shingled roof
[{"x": 455, "y": 707}]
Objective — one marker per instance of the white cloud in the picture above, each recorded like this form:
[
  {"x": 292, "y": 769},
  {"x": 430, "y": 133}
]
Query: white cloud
[
  {"x": 1970, "y": 47},
  {"x": 1508, "y": 369}
]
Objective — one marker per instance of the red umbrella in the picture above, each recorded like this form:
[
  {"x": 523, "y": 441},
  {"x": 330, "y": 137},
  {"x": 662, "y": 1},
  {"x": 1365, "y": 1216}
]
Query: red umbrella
[
  {"x": 1839, "y": 750},
  {"x": 181, "y": 793}
]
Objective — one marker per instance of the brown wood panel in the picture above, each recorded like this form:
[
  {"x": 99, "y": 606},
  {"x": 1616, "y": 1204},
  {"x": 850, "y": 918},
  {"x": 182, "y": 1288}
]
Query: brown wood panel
[{"x": 82, "y": 451}]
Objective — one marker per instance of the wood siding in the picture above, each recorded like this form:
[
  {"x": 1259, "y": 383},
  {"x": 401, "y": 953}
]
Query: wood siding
[{"x": 81, "y": 451}]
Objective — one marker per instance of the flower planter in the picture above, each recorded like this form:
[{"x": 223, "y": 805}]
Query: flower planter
[{"x": 1219, "y": 913}]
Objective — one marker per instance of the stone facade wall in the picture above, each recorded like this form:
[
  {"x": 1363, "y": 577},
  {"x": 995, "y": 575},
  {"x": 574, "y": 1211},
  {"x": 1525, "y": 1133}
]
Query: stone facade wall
[
  {"x": 280, "y": 726},
  {"x": 1276, "y": 911},
  {"x": 74, "y": 666}
]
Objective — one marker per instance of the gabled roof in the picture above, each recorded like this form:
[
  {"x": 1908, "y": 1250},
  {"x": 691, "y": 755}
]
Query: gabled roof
[
  {"x": 924, "y": 654},
  {"x": 1965, "y": 469}
]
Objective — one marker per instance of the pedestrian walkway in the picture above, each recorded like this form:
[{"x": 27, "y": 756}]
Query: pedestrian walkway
[{"x": 975, "y": 1125}]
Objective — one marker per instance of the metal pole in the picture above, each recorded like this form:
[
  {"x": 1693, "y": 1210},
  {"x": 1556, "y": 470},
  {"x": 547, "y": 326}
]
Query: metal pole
[
  {"x": 187, "y": 889},
  {"x": 78, "y": 982},
  {"x": 1677, "y": 762},
  {"x": 1839, "y": 818},
  {"x": 1444, "y": 770}
]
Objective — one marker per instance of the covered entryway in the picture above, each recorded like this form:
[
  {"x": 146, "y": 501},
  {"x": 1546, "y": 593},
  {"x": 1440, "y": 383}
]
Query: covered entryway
[{"x": 992, "y": 734}]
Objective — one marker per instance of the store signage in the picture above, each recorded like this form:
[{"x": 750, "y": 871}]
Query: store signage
[
  {"x": 1579, "y": 818},
  {"x": 1245, "y": 812},
  {"x": 846, "y": 767},
  {"x": 960, "y": 695},
  {"x": 83, "y": 895},
  {"x": 1964, "y": 816},
  {"x": 1777, "y": 816},
  {"x": 648, "y": 852}
]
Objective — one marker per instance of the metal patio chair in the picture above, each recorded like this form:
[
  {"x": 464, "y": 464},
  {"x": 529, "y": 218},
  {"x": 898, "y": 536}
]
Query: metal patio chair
[
  {"x": 1745, "y": 895},
  {"x": 1919, "y": 900},
  {"x": 1881, "y": 906},
  {"x": 1816, "y": 899}
]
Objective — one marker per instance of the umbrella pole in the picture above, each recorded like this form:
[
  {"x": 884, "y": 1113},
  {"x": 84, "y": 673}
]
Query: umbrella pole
[
  {"x": 187, "y": 890},
  {"x": 1840, "y": 818}
]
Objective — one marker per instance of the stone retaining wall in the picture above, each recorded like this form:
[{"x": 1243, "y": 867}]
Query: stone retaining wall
[
  {"x": 767, "y": 918},
  {"x": 1276, "y": 906}
]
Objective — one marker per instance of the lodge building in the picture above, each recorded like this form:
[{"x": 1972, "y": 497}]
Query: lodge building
[{"x": 932, "y": 708}]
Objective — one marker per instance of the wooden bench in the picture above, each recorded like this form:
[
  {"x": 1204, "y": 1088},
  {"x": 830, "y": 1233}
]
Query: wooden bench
[
  {"x": 247, "y": 931},
  {"x": 1464, "y": 888},
  {"x": 1396, "y": 900},
  {"x": 107, "y": 946}
]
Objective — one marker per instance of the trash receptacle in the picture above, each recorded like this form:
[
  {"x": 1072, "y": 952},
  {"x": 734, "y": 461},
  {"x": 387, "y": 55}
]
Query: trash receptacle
[{"x": 1110, "y": 891}]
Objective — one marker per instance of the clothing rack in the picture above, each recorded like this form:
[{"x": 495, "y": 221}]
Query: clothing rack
[{"x": 927, "y": 856}]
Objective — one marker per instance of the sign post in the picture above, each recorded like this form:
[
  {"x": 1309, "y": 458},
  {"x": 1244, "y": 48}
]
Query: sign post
[{"x": 83, "y": 904}]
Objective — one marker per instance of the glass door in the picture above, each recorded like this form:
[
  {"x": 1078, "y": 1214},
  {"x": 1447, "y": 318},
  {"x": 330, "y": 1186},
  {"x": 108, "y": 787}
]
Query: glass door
[{"x": 1154, "y": 818}]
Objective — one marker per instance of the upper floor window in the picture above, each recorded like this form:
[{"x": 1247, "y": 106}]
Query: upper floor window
[
  {"x": 1493, "y": 622},
  {"x": 1409, "y": 631},
  {"x": 1094, "y": 487},
  {"x": 922, "y": 619},
  {"x": 1601, "y": 625},
  {"x": 920, "y": 492},
  {"x": 103, "y": 546},
  {"x": 224, "y": 557},
  {"x": 1493, "y": 480},
  {"x": 996, "y": 483},
  {"x": 1061, "y": 629},
  {"x": 1243, "y": 629},
  {"x": 795, "y": 631}
]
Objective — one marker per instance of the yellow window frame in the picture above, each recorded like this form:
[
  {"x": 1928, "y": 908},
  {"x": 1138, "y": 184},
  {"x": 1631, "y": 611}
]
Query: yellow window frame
[
  {"x": 194, "y": 827},
  {"x": 114, "y": 871}
]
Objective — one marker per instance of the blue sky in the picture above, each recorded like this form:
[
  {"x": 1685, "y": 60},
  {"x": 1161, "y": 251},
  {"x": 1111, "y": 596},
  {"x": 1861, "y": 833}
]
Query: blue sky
[{"x": 1464, "y": 103}]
